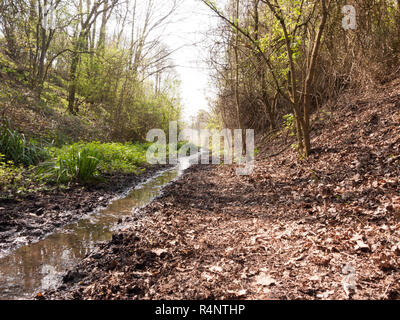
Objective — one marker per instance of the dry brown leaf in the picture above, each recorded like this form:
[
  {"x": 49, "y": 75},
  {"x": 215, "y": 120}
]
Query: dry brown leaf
[
  {"x": 216, "y": 269},
  {"x": 264, "y": 279},
  {"x": 159, "y": 252},
  {"x": 362, "y": 246},
  {"x": 325, "y": 295}
]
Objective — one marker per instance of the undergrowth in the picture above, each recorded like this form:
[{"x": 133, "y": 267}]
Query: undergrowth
[
  {"x": 19, "y": 149},
  {"x": 26, "y": 166}
]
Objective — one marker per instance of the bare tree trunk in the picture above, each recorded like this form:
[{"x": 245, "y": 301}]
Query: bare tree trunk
[
  {"x": 237, "y": 79},
  {"x": 81, "y": 43},
  {"x": 262, "y": 70},
  {"x": 102, "y": 36},
  {"x": 301, "y": 105},
  {"x": 73, "y": 73},
  {"x": 310, "y": 78}
]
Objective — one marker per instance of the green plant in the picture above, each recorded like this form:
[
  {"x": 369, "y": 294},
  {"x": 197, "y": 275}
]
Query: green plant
[
  {"x": 288, "y": 123},
  {"x": 17, "y": 148},
  {"x": 81, "y": 165},
  {"x": 84, "y": 162},
  {"x": 5, "y": 173},
  {"x": 17, "y": 181}
]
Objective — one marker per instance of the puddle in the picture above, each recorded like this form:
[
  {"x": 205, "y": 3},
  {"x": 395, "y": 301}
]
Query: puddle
[{"x": 38, "y": 267}]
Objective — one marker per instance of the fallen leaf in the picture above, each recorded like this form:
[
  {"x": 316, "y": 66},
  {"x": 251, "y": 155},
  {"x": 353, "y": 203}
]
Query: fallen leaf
[
  {"x": 396, "y": 250},
  {"x": 216, "y": 269},
  {"x": 325, "y": 295},
  {"x": 240, "y": 293},
  {"x": 159, "y": 252},
  {"x": 385, "y": 263},
  {"x": 362, "y": 246},
  {"x": 265, "y": 280},
  {"x": 315, "y": 278},
  {"x": 207, "y": 277}
]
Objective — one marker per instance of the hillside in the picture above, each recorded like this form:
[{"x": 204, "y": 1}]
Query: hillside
[
  {"x": 49, "y": 191},
  {"x": 45, "y": 118},
  {"x": 322, "y": 228}
]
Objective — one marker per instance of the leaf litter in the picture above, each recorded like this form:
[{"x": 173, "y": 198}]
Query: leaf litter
[{"x": 327, "y": 227}]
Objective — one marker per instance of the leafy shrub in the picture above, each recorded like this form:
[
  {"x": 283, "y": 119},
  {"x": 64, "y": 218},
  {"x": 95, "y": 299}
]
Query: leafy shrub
[
  {"x": 6, "y": 175},
  {"x": 289, "y": 123},
  {"x": 81, "y": 165},
  {"x": 18, "y": 149},
  {"x": 16, "y": 180},
  {"x": 86, "y": 161}
]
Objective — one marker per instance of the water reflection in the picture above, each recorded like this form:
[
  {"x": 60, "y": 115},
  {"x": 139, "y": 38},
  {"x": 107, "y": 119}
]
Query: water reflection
[{"x": 39, "y": 266}]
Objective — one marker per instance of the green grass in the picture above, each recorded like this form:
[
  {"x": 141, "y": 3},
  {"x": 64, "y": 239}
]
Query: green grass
[
  {"x": 17, "y": 148},
  {"x": 17, "y": 180},
  {"x": 81, "y": 166},
  {"x": 86, "y": 162},
  {"x": 21, "y": 173}
]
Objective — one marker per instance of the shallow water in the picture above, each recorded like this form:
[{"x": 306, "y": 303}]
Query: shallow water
[{"x": 40, "y": 266}]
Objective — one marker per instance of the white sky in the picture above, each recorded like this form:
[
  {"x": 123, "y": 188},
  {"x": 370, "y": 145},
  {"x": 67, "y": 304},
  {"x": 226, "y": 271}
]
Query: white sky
[{"x": 195, "y": 19}]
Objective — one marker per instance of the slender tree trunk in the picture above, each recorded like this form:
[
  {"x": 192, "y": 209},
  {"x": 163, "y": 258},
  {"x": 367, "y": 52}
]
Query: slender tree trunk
[
  {"x": 80, "y": 44},
  {"x": 310, "y": 79},
  {"x": 102, "y": 37},
  {"x": 73, "y": 72},
  {"x": 237, "y": 79},
  {"x": 73, "y": 83},
  {"x": 262, "y": 70}
]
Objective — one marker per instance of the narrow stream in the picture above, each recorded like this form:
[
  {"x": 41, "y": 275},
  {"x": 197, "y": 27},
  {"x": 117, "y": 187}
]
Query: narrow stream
[{"x": 40, "y": 266}]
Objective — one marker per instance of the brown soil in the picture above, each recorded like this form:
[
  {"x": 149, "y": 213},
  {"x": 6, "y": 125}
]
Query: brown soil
[
  {"x": 294, "y": 229},
  {"x": 34, "y": 217}
]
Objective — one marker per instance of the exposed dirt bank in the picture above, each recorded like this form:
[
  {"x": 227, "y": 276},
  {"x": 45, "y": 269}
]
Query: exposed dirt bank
[
  {"x": 40, "y": 214},
  {"x": 323, "y": 228}
]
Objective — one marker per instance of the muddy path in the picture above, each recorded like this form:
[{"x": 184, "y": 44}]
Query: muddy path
[
  {"x": 40, "y": 214},
  {"x": 42, "y": 265},
  {"x": 213, "y": 235}
]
